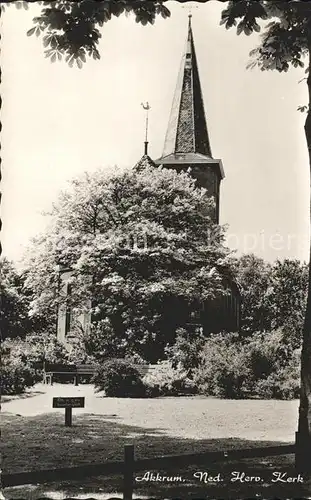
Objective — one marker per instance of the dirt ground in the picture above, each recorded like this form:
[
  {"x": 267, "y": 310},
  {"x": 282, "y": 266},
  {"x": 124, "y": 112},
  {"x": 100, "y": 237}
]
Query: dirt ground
[
  {"x": 185, "y": 417},
  {"x": 34, "y": 437}
]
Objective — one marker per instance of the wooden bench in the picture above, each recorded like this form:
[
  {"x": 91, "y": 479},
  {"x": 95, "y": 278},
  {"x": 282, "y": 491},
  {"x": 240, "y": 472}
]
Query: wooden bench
[
  {"x": 84, "y": 371},
  {"x": 51, "y": 369},
  {"x": 76, "y": 371},
  {"x": 80, "y": 371}
]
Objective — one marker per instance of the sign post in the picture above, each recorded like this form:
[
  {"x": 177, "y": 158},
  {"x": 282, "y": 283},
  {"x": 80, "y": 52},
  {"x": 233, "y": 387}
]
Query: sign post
[
  {"x": 68, "y": 404},
  {"x": 68, "y": 416}
]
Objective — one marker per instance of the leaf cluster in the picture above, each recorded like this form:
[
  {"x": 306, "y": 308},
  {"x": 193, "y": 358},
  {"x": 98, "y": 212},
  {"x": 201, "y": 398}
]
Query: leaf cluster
[
  {"x": 273, "y": 296},
  {"x": 72, "y": 29},
  {"x": 15, "y": 301},
  {"x": 286, "y": 30}
]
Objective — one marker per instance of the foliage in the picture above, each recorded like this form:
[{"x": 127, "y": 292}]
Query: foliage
[
  {"x": 102, "y": 343},
  {"x": 259, "y": 364},
  {"x": 166, "y": 380},
  {"x": 143, "y": 237},
  {"x": 223, "y": 370},
  {"x": 283, "y": 383},
  {"x": 275, "y": 366},
  {"x": 16, "y": 376},
  {"x": 262, "y": 365},
  {"x": 267, "y": 353},
  {"x": 273, "y": 296},
  {"x": 289, "y": 283},
  {"x": 119, "y": 378},
  {"x": 38, "y": 348},
  {"x": 186, "y": 349},
  {"x": 71, "y": 29},
  {"x": 31, "y": 353},
  {"x": 14, "y": 302},
  {"x": 253, "y": 275}
]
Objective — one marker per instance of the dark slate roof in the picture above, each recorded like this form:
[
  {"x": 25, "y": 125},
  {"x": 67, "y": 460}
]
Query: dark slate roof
[
  {"x": 190, "y": 159},
  {"x": 144, "y": 162},
  {"x": 187, "y": 129}
]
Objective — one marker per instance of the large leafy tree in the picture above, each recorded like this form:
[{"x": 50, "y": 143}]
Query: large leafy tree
[{"x": 143, "y": 237}]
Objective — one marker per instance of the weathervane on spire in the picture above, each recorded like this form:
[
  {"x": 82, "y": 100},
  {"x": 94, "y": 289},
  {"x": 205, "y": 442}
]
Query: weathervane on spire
[
  {"x": 190, "y": 8},
  {"x": 146, "y": 107}
]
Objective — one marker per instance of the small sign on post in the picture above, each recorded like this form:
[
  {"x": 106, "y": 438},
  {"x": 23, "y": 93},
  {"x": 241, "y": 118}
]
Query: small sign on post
[{"x": 68, "y": 404}]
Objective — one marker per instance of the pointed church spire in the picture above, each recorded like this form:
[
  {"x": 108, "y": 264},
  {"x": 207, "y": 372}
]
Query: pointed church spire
[
  {"x": 187, "y": 129},
  {"x": 187, "y": 146}
]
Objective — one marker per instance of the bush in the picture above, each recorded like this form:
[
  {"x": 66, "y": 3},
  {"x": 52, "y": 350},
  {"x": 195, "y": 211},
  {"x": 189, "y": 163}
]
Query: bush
[
  {"x": 274, "y": 365},
  {"x": 165, "y": 380},
  {"x": 36, "y": 349},
  {"x": 119, "y": 378},
  {"x": 268, "y": 352},
  {"x": 16, "y": 376},
  {"x": 185, "y": 352},
  {"x": 263, "y": 366},
  {"x": 223, "y": 370},
  {"x": 283, "y": 383}
]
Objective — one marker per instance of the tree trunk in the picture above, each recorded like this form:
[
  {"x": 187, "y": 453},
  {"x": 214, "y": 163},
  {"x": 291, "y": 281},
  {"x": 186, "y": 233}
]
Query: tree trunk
[{"x": 303, "y": 437}]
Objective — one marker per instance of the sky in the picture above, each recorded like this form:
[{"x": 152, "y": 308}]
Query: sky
[{"x": 59, "y": 122}]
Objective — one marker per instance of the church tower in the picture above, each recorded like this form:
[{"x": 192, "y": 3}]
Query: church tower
[
  {"x": 187, "y": 146},
  {"x": 187, "y": 143}
]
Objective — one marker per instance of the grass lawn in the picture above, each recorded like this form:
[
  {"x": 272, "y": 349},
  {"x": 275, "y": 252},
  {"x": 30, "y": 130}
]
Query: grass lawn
[{"x": 34, "y": 437}]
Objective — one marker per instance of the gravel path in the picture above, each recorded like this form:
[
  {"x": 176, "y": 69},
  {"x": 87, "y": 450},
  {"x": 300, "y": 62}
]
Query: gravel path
[{"x": 187, "y": 417}]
